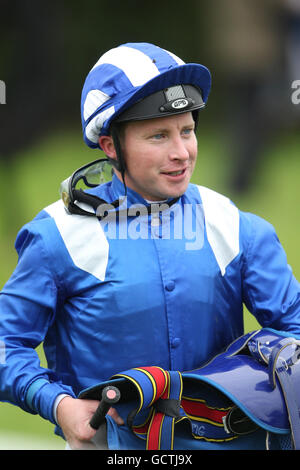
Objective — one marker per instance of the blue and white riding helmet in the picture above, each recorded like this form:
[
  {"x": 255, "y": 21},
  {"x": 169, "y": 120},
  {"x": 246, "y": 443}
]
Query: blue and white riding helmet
[{"x": 117, "y": 88}]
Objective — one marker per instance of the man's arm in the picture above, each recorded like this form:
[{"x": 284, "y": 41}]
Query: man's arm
[{"x": 271, "y": 291}]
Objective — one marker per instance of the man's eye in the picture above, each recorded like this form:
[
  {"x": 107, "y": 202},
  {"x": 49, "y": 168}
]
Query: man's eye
[
  {"x": 158, "y": 136},
  {"x": 187, "y": 131}
]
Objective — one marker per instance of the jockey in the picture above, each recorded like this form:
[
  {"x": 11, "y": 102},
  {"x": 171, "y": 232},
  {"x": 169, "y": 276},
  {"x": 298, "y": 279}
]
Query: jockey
[{"x": 146, "y": 269}]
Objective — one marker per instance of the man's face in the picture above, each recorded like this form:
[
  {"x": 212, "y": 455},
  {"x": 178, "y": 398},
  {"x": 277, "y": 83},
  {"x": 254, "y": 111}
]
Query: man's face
[{"x": 160, "y": 156}]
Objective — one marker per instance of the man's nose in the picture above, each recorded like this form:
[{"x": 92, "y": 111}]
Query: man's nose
[{"x": 178, "y": 150}]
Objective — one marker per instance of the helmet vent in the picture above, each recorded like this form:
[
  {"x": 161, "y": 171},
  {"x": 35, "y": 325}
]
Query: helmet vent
[{"x": 174, "y": 93}]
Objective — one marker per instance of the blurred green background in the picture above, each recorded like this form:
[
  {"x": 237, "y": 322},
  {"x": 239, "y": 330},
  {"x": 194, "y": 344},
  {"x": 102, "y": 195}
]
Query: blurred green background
[{"x": 248, "y": 136}]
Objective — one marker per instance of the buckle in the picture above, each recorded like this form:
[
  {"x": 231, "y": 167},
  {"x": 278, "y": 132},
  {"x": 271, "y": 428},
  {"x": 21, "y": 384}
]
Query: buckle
[{"x": 237, "y": 422}]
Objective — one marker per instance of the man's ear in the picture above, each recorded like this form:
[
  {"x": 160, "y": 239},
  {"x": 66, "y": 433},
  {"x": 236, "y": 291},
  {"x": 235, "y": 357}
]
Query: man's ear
[{"x": 107, "y": 144}]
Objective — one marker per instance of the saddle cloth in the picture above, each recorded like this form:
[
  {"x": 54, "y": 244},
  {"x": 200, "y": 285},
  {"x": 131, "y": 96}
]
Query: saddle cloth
[{"x": 254, "y": 383}]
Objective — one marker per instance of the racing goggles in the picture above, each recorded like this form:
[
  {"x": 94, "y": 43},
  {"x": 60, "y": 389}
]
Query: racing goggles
[
  {"x": 74, "y": 190},
  {"x": 78, "y": 200}
]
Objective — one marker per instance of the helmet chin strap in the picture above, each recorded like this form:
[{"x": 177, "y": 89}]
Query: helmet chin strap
[{"x": 119, "y": 163}]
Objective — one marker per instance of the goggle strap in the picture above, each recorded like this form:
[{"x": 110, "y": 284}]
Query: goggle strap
[{"x": 89, "y": 199}]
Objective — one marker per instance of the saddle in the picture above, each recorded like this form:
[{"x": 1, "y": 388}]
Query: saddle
[{"x": 253, "y": 384}]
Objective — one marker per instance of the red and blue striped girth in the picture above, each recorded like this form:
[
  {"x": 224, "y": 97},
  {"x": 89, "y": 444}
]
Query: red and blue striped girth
[{"x": 161, "y": 392}]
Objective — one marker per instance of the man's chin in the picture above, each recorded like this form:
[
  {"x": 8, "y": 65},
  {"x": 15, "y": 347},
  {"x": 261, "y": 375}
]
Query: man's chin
[{"x": 178, "y": 192}]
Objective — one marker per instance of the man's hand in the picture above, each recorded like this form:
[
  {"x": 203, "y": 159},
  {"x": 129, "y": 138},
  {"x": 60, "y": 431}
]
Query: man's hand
[{"x": 74, "y": 415}]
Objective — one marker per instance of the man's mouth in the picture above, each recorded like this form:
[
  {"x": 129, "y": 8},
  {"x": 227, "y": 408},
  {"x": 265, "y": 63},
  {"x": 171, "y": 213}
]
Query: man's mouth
[{"x": 174, "y": 173}]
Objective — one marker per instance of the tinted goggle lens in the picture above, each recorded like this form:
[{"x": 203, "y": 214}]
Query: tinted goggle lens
[{"x": 92, "y": 175}]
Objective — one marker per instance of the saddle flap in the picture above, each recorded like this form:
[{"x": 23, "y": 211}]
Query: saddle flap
[{"x": 248, "y": 383}]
